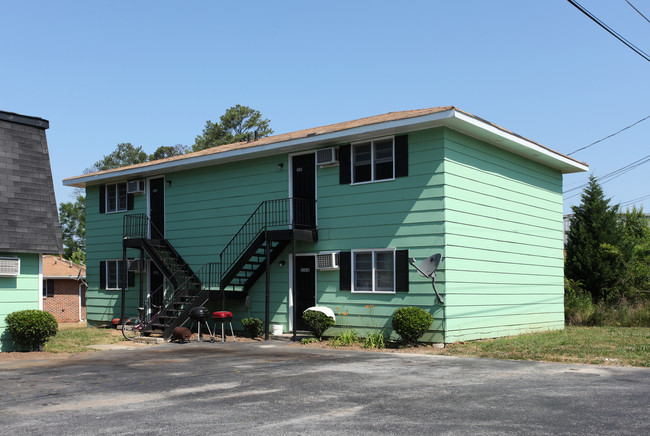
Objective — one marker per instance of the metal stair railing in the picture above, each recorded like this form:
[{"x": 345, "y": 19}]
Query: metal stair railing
[
  {"x": 136, "y": 226},
  {"x": 269, "y": 214},
  {"x": 192, "y": 293}
]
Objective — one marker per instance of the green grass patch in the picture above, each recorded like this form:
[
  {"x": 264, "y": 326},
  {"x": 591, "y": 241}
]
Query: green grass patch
[
  {"x": 75, "y": 338},
  {"x": 623, "y": 346}
]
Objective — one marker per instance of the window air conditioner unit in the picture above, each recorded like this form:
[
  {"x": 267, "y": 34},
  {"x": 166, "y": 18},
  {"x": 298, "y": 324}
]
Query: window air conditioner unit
[
  {"x": 326, "y": 156},
  {"x": 9, "y": 266},
  {"x": 327, "y": 261},
  {"x": 134, "y": 265},
  {"x": 135, "y": 187}
]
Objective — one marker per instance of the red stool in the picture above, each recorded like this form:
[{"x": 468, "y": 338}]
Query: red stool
[{"x": 223, "y": 317}]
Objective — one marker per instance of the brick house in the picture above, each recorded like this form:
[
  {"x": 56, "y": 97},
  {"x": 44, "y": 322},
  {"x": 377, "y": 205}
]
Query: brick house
[{"x": 64, "y": 289}]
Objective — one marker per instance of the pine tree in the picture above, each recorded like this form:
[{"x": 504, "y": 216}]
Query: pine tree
[
  {"x": 596, "y": 248},
  {"x": 238, "y": 124}
]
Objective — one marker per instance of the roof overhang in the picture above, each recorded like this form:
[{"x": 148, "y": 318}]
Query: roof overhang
[
  {"x": 71, "y": 277},
  {"x": 450, "y": 117}
]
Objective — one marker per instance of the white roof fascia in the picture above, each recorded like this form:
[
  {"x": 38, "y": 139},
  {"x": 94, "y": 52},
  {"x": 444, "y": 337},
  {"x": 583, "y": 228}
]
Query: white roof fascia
[
  {"x": 518, "y": 145},
  {"x": 451, "y": 118},
  {"x": 73, "y": 277},
  {"x": 396, "y": 126}
]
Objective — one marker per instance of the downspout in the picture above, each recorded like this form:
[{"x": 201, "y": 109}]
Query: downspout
[
  {"x": 141, "y": 277},
  {"x": 40, "y": 281},
  {"x": 267, "y": 252},
  {"x": 123, "y": 282},
  {"x": 80, "y": 317},
  {"x": 293, "y": 279}
]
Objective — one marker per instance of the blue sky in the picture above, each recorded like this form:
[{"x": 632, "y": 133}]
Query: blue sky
[{"x": 152, "y": 72}]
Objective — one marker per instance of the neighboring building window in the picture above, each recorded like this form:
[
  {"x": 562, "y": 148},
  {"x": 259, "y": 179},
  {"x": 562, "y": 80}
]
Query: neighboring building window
[
  {"x": 9, "y": 266},
  {"x": 373, "y": 271},
  {"x": 48, "y": 288},
  {"x": 116, "y": 198},
  {"x": 373, "y": 160},
  {"x": 113, "y": 273}
]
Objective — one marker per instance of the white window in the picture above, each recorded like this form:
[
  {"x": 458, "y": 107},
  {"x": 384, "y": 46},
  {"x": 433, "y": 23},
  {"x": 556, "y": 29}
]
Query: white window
[
  {"x": 373, "y": 271},
  {"x": 9, "y": 266},
  {"x": 373, "y": 160},
  {"x": 113, "y": 274},
  {"x": 116, "y": 198}
]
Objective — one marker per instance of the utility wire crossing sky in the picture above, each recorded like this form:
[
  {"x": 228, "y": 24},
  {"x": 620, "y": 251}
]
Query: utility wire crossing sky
[{"x": 152, "y": 73}]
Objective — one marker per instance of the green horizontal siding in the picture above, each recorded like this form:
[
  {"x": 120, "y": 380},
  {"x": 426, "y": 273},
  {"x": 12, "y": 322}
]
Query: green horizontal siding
[
  {"x": 495, "y": 216},
  {"x": 18, "y": 293},
  {"x": 406, "y": 213},
  {"x": 204, "y": 208},
  {"x": 104, "y": 241},
  {"x": 504, "y": 271}
]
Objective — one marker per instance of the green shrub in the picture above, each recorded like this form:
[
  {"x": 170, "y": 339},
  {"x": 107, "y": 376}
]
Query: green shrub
[
  {"x": 623, "y": 314},
  {"x": 30, "y": 329},
  {"x": 306, "y": 341},
  {"x": 578, "y": 307},
  {"x": 254, "y": 326},
  {"x": 375, "y": 340},
  {"x": 317, "y": 322},
  {"x": 411, "y": 323}
]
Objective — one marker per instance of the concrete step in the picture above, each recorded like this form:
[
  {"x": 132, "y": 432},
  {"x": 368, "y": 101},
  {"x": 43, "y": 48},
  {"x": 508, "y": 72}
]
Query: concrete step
[{"x": 149, "y": 340}]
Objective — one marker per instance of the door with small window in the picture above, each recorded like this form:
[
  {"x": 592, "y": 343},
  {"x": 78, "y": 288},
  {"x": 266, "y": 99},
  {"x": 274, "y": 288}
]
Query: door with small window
[
  {"x": 157, "y": 208},
  {"x": 303, "y": 173},
  {"x": 305, "y": 287}
]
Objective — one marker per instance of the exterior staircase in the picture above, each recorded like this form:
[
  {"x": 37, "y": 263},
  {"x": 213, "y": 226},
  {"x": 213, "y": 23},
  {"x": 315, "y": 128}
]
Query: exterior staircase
[{"x": 242, "y": 262}]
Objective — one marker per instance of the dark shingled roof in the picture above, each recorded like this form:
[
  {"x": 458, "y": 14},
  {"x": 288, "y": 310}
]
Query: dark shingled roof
[{"x": 29, "y": 220}]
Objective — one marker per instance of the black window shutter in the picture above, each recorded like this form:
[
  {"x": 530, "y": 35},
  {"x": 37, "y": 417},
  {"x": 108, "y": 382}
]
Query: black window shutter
[
  {"x": 401, "y": 156},
  {"x": 344, "y": 165},
  {"x": 131, "y": 279},
  {"x": 102, "y": 199},
  {"x": 102, "y": 275},
  {"x": 402, "y": 271},
  {"x": 130, "y": 200},
  {"x": 345, "y": 281}
]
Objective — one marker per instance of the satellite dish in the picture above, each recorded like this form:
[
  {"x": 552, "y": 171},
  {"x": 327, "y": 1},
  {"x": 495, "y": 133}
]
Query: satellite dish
[{"x": 427, "y": 268}]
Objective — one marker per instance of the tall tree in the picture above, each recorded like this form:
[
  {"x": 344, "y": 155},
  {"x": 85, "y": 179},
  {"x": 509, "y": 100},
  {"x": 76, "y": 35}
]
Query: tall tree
[
  {"x": 635, "y": 280},
  {"x": 595, "y": 248},
  {"x": 234, "y": 126},
  {"x": 166, "y": 151},
  {"x": 123, "y": 155},
  {"x": 72, "y": 217}
]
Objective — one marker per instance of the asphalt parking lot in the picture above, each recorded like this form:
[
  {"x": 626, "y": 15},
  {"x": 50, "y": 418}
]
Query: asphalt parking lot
[{"x": 275, "y": 388}]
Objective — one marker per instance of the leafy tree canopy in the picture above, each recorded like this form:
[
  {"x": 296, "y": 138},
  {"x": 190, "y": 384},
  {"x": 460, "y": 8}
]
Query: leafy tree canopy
[
  {"x": 125, "y": 154},
  {"x": 165, "y": 151},
  {"x": 72, "y": 217},
  {"x": 234, "y": 126}
]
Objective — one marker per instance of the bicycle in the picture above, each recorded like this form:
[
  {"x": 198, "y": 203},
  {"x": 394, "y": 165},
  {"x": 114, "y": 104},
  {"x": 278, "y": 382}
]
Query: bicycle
[{"x": 133, "y": 328}]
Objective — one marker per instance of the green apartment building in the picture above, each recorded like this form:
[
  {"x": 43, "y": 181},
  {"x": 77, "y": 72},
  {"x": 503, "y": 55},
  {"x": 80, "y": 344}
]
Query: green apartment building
[{"x": 331, "y": 216}]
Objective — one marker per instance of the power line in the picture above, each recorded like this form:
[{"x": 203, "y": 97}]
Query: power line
[
  {"x": 627, "y": 203},
  {"x": 595, "y": 19},
  {"x": 607, "y": 137},
  {"x": 611, "y": 176},
  {"x": 638, "y": 11}
]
